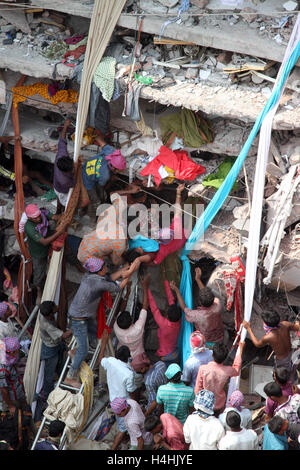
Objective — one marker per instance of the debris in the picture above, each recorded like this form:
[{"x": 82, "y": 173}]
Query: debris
[{"x": 290, "y": 6}]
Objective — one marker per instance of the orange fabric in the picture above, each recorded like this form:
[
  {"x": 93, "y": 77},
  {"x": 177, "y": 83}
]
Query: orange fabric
[{"x": 105, "y": 300}]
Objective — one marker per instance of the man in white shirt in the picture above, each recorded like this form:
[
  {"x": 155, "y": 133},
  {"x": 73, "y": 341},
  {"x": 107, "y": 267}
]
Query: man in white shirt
[
  {"x": 236, "y": 403},
  {"x": 202, "y": 430},
  {"x": 238, "y": 438},
  {"x": 120, "y": 382}
]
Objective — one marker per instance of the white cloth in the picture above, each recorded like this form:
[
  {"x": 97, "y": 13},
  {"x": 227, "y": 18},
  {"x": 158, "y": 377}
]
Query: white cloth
[
  {"x": 62, "y": 197},
  {"x": 120, "y": 379},
  {"x": 245, "y": 414},
  {"x": 202, "y": 434},
  {"x": 246, "y": 439},
  {"x": 7, "y": 329}
]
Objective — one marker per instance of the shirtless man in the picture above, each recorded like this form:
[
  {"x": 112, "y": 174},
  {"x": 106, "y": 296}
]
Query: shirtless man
[{"x": 278, "y": 337}]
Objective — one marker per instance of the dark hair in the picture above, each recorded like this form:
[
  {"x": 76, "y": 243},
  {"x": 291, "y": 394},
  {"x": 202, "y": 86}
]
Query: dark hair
[
  {"x": 298, "y": 412},
  {"x": 123, "y": 353},
  {"x": 282, "y": 375},
  {"x": 151, "y": 422},
  {"x": 46, "y": 307},
  {"x": 65, "y": 164},
  {"x": 124, "y": 320},
  {"x": 4, "y": 445},
  {"x": 56, "y": 428},
  {"x": 220, "y": 352},
  {"x": 273, "y": 389},
  {"x": 206, "y": 297},
  {"x": 174, "y": 313},
  {"x": 275, "y": 424},
  {"x": 177, "y": 377},
  {"x": 130, "y": 256},
  {"x": 233, "y": 419},
  {"x": 271, "y": 318}
]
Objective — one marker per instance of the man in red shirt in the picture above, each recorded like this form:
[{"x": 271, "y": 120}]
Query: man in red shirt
[
  {"x": 215, "y": 375},
  {"x": 172, "y": 437}
]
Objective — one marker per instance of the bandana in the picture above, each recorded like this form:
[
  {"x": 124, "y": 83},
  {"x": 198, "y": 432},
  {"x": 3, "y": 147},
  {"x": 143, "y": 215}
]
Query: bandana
[
  {"x": 165, "y": 235},
  {"x": 116, "y": 160},
  {"x": 42, "y": 228},
  {"x": 204, "y": 403},
  {"x": 236, "y": 400},
  {"x": 118, "y": 405},
  {"x": 11, "y": 344},
  {"x": 3, "y": 309},
  {"x": 197, "y": 342},
  {"x": 93, "y": 264},
  {"x": 270, "y": 328},
  {"x": 32, "y": 211}
]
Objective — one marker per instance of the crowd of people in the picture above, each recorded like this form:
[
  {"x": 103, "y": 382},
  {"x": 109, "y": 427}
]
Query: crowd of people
[{"x": 156, "y": 402}]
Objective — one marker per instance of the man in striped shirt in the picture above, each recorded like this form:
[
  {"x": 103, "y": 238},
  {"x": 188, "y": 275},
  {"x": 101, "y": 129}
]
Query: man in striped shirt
[{"x": 175, "y": 397}]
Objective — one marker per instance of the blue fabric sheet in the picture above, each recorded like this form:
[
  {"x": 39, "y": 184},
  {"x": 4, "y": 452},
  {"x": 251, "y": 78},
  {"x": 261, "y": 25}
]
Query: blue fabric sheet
[{"x": 216, "y": 203}]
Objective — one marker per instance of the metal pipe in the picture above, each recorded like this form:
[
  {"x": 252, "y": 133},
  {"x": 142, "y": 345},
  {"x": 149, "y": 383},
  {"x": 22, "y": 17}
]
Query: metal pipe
[{"x": 29, "y": 320}]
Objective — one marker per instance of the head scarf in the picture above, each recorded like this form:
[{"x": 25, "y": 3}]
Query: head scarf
[
  {"x": 32, "y": 211},
  {"x": 236, "y": 400},
  {"x": 268, "y": 328},
  {"x": 197, "y": 342},
  {"x": 3, "y": 309},
  {"x": 204, "y": 403},
  {"x": 165, "y": 235},
  {"x": 172, "y": 370},
  {"x": 93, "y": 265},
  {"x": 116, "y": 160},
  {"x": 42, "y": 228},
  {"x": 11, "y": 344},
  {"x": 118, "y": 405},
  {"x": 139, "y": 362}
]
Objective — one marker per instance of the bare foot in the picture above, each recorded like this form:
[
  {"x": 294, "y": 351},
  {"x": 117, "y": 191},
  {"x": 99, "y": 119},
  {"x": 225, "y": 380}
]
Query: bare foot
[{"x": 72, "y": 382}]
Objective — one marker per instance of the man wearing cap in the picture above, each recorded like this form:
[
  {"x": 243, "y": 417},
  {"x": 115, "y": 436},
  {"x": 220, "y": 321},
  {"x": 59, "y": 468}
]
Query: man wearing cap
[
  {"x": 236, "y": 403},
  {"x": 134, "y": 420},
  {"x": 202, "y": 430},
  {"x": 84, "y": 308},
  {"x": 6, "y": 325},
  {"x": 175, "y": 397},
  {"x": 199, "y": 355},
  {"x": 11, "y": 383},
  {"x": 39, "y": 240}
]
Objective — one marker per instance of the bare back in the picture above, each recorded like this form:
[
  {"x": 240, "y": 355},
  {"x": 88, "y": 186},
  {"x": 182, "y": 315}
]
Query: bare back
[{"x": 280, "y": 340}]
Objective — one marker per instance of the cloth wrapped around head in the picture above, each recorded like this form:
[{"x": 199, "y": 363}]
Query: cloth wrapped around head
[
  {"x": 116, "y": 160},
  {"x": 3, "y": 309},
  {"x": 93, "y": 265},
  {"x": 197, "y": 342},
  {"x": 11, "y": 344},
  {"x": 140, "y": 361},
  {"x": 32, "y": 211},
  {"x": 204, "y": 403},
  {"x": 172, "y": 370},
  {"x": 118, "y": 405},
  {"x": 236, "y": 400}
]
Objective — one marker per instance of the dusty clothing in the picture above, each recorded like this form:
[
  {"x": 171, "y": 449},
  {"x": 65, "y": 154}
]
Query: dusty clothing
[
  {"x": 173, "y": 432},
  {"x": 36, "y": 249},
  {"x": 208, "y": 321},
  {"x": 168, "y": 331},
  {"x": 246, "y": 439},
  {"x": 213, "y": 377},
  {"x": 202, "y": 433},
  {"x": 50, "y": 334},
  {"x": 133, "y": 336},
  {"x": 96, "y": 170},
  {"x": 86, "y": 301},
  {"x": 134, "y": 422}
]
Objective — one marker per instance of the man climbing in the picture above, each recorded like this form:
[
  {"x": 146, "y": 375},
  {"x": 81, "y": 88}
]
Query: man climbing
[{"x": 277, "y": 335}]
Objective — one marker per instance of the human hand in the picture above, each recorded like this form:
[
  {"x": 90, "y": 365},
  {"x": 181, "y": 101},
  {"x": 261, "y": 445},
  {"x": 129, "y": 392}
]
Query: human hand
[
  {"x": 25, "y": 179},
  {"x": 180, "y": 188},
  {"x": 198, "y": 274},
  {"x": 246, "y": 324},
  {"x": 173, "y": 286},
  {"x": 124, "y": 283},
  {"x": 157, "y": 438},
  {"x": 241, "y": 346}
]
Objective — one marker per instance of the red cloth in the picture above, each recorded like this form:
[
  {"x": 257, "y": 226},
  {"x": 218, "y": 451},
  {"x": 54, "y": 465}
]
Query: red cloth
[
  {"x": 59, "y": 242},
  {"x": 179, "y": 161},
  {"x": 76, "y": 53},
  {"x": 106, "y": 299}
]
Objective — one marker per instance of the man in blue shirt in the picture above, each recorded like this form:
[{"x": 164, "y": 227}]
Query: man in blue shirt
[{"x": 274, "y": 434}]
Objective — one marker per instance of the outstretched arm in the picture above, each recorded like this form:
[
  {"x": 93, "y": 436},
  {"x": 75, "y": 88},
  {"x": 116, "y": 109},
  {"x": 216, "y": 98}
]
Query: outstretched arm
[
  {"x": 258, "y": 343},
  {"x": 198, "y": 273},
  {"x": 145, "y": 285},
  {"x": 178, "y": 294}
]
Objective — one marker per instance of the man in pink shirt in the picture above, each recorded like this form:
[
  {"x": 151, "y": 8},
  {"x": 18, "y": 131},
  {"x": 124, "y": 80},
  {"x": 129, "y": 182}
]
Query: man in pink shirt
[
  {"x": 215, "y": 375},
  {"x": 131, "y": 334},
  {"x": 207, "y": 318},
  {"x": 168, "y": 327},
  {"x": 167, "y": 432}
]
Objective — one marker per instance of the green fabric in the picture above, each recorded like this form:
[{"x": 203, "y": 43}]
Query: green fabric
[
  {"x": 104, "y": 77},
  {"x": 143, "y": 80},
  {"x": 83, "y": 42},
  {"x": 56, "y": 50},
  {"x": 36, "y": 249},
  {"x": 216, "y": 179},
  {"x": 50, "y": 195},
  {"x": 177, "y": 398},
  {"x": 187, "y": 125}
]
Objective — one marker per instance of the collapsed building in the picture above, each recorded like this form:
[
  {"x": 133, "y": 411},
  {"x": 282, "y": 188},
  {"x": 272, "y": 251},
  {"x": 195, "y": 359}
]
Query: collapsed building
[{"x": 217, "y": 60}]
